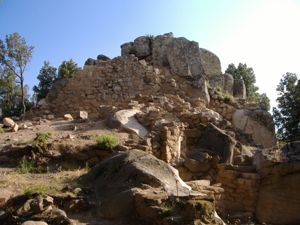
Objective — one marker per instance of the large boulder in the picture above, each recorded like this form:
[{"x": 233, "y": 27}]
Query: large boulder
[
  {"x": 127, "y": 48},
  {"x": 201, "y": 84},
  {"x": 239, "y": 88},
  {"x": 116, "y": 178},
  {"x": 125, "y": 119},
  {"x": 291, "y": 152},
  {"x": 142, "y": 46},
  {"x": 279, "y": 200},
  {"x": 228, "y": 83},
  {"x": 210, "y": 63},
  {"x": 159, "y": 49},
  {"x": 216, "y": 141},
  {"x": 257, "y": 123},
  {"x": 184, "y": 58},
  {"x": 8, "y": 122}
]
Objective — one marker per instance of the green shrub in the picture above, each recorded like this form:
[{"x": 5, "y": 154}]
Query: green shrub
[
  {"x": 227, "y": 97},
  {"x": 167, "y": 207},
  {"x": 41, "y": 141},
  {"x": 25, "y": 166},
  {"x": 108, "y": 141}
]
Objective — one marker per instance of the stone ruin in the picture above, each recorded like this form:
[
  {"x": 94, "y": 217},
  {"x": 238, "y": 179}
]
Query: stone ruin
[{"x": 167, "y": 91}]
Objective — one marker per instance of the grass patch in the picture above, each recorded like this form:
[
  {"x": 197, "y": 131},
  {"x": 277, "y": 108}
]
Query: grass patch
[
  {"x": 26, "y": 166},
  {"x": 1, "y": 130},
  {"x": 227, "y": 97},
  {"x": 40, "y": 189},
  {"x": 167, "y": 207},
  {"x": 107, "y": 141},
  {"x": 41, "y": 141}
]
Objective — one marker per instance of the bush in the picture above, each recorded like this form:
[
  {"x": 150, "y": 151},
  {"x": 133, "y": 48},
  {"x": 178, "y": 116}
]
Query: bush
[
  {"x": 108, "y": 141},
  {"x": 41, "y": 141},
  {"x": 26, "y": 166},
  {"x": 227, "y": 97}
]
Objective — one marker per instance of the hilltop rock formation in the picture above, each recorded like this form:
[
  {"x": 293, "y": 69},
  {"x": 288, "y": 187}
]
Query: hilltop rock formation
[{"x": 185, "y": 113}]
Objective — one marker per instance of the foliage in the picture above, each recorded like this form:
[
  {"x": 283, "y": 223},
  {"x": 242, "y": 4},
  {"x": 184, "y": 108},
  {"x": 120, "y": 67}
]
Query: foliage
[
  {"x": 264, "y": 101},
  {"x": 26, "y": 166},
  {"x": 227, "y": 97},
  {"x": 247, "y": 75},
  {"x": 108, "y": 141},
  {"x": 15, "y": 54},
  {"x": 41, "y": 141},
  {"x": 67, "y": 69},
  {"x": 287, "y": 114},
  {"x": 47, "y": 77},
  {"x": 42, "y": 189},
  {"x": 167, "y": 207}
]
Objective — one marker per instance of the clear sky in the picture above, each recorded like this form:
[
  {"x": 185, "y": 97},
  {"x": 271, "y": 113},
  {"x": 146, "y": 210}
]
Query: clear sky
[{"x": 265, "y": 34}]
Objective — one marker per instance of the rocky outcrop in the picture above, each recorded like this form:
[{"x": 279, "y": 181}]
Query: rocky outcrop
[
  {"x": 138, "y": 185},
  {"x": 217, "y": 142},
  {"x": 257, "y": 123},
  {"x": 113, "y": 180},
  {"x": 278, "y": 201},
  {"x": 210, "y": 63},
  {"x": 184, "y": 58},
  {"x": 159, "y": 49},
  {"x": 125, "y": 119},
  {"x": 239, "y": 88}
]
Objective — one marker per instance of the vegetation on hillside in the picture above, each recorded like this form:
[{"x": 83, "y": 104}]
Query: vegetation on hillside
[
  {"x": 245, "y": 73},
  {"x": 287, "y": 113}
]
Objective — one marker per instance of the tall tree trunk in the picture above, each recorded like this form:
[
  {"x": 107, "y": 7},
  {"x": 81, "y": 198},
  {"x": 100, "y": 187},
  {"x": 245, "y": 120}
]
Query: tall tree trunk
[{"x": 22, "y": 94}]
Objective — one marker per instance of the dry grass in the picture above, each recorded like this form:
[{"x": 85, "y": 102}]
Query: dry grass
[{"x": 48, "y": 183}]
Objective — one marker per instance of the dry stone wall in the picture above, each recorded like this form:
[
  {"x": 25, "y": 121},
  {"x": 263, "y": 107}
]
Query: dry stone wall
[{"x": 116, "y": 82}]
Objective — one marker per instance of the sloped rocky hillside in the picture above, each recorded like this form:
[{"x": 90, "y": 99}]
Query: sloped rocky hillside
[{"x": 190, "y": 145}]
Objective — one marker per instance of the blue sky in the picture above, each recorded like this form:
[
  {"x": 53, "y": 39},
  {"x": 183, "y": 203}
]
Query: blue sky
[{"x": 262, "y": 33}]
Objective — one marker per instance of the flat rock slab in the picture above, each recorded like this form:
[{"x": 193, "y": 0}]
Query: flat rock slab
[{"x": 125, "y": 119}]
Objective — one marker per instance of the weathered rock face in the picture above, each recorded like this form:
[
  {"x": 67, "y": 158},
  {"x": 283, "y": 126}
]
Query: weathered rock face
[
  {"x": 201, "y": 84},
  {"x": 184, "y": 58},
  {"x": 210, "y": 63},
  {"x": 239, "y": 88},
  {"x": 228, "y": 83},
  {"x": 258, "y": 123},
  {"x": 159, "y": 49},
  {"x": 279, "y": 199},
  {"x": 115, "y": 177},
  {"x": 218, "y": 142}
]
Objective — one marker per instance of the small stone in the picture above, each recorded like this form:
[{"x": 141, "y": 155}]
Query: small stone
[
  {"x": 83, "y": 115},
  {"x": 50, "y": 117},
  {"x": 68, "y": 117},
  {"x": 15, "y": 128},
  {"x": 8, "y": 122}
]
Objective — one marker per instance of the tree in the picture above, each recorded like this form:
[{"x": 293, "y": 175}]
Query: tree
[
  {"x": 15, "y": 54},
  {"x": 10, "y": 94},
  {"x": 47, "y": 77},
  {"x": 264, "y": 101},
  {"x": 287, "y": 114},
  {"x": 247, "y": 75},
  {"x": 67, "y": 69}
]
